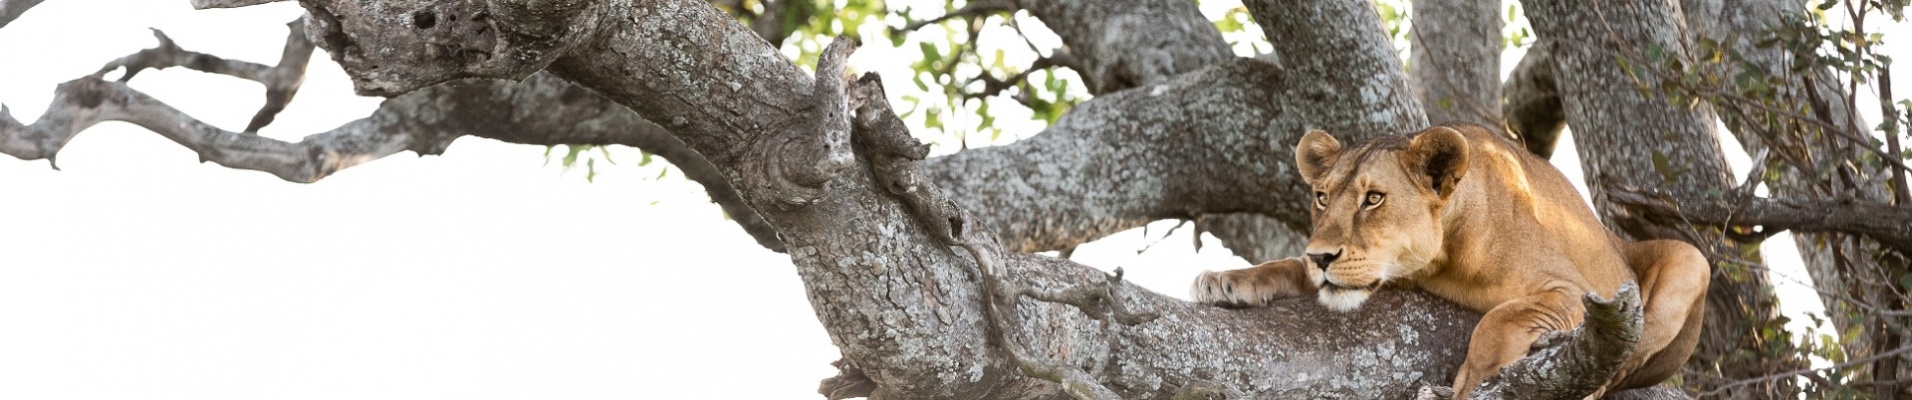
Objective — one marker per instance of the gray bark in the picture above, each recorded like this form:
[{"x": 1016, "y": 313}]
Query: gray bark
[
  {"x": 541, "y": 110},
  {"x": 11, "y": 9},
  {"x": 1531, "y": 101},
  {"x": 1103, "y": 34},
  {"x": 1839, "y": 263},
  {"x": 906, "y": 310},
  {"x": 1626, "y": 139},
  {"x": 871, "y": 240},
  {"x": 1455, "y": 60},
  {"x": 1100, "y": 35}
]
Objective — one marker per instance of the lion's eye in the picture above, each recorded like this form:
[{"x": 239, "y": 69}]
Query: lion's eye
[
  {"x": 1321, "y": 200},
  {"x": 1374, "y": 199}
]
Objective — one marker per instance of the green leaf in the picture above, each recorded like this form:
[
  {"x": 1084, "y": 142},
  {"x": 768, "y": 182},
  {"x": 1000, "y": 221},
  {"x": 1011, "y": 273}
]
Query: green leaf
[
  {"x": 660, "y": 174},
  {"x": 1664, "y": 166},
  {"x": 644, "y": 161},
  {"x": 930, "y": 54},
  {"x": 571, "y": 157},
  {"x": 590, "y": 170},
  {"x": 607, "y": 154}
]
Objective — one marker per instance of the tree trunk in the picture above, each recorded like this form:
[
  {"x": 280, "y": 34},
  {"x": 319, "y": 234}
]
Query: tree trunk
[
  {"x": 1627, "y": 139},
  {"x": 826, "y": 165},
  {"x": 1841, "y": 265},
  {"x": 1455, "y": 60}
]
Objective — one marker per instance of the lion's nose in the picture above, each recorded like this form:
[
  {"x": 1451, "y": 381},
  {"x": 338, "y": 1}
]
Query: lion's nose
[{"x": 1321, "y": 260}]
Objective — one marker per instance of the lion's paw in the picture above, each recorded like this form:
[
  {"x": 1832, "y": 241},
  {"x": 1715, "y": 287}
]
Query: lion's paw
[{"x": 1249, "y": 287}]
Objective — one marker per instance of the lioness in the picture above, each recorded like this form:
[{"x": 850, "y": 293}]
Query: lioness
[{"x": 1473, "y": 218}]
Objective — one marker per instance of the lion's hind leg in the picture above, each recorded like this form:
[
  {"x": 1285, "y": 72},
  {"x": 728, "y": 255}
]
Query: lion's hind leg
[
  {"x": 1673, "y": 280},
  {"x": 1253, "y": 286}
]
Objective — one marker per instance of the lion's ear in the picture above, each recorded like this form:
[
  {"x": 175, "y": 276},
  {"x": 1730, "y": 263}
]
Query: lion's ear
[
  {"x": 1440, "y": 153},
  {"x": 1316, "y": 152}
]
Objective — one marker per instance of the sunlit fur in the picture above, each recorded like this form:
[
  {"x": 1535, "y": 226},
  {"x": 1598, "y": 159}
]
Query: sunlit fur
[
  {"x": 1396, "y": 238},
  {"x": 1470, "y": 216}
]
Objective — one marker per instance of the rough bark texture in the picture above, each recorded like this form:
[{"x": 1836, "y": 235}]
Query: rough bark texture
[
  {"x": 1839, "y": 263},
  {"x": 1215, "y": 141},
  {"x": 907, "y": 311},
  {"x": 1879, "y": 223},
  {"x": 1103, "y": 35},
  {"x": 1455, "y": 60},
  {"x": 1356, "y": 91},
  {"x": 1532, "y": 103},
  {"x": 542, "y": 110},
  {"x": 871, "y": 239},
  {"x": 1626, "y": 139}
]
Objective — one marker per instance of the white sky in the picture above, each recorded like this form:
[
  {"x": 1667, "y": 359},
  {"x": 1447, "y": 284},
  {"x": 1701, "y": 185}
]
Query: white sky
[{"x": 483, "y": 274}]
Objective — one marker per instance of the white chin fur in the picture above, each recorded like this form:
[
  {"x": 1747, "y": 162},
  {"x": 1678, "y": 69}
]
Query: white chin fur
[{"x": 1343, "y": 300}]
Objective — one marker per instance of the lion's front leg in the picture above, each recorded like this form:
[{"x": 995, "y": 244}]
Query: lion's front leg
[
  {"x": 1507, "y": 332},
  {"x": 1254, "y": 286}
]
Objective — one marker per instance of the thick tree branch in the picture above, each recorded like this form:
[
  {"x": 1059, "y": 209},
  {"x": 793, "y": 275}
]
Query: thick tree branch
[
  {"x": 1608, "y": 115},
  {"x": 1214, "y": 141},
  {"x": 11, "y": 9},
  {"x": 1100, "y": 33},
  {"x": 909, "y": 312},
  {"x": 1532, "y": 104},
  {"x": 1811, "y": 147},
  {"x": 1579, "y": 362},
  {"x": 1455, "y": 60}
]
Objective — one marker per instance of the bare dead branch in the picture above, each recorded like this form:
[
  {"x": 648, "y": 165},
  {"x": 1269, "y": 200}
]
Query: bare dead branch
[
  {"x": 1884, "y": 223},
  {"x": 973, "y": 9},
  {"x": 542, "y": 110},
  {"x": 282, "y": 81},
  {"x": 11, "y": 9}
]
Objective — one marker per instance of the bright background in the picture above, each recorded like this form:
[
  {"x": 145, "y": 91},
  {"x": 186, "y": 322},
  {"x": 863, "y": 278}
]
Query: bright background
[{"x": 486, "y": 273}]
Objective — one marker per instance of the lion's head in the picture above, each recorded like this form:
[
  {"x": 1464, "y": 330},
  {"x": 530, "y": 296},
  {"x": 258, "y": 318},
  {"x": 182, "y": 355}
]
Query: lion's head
[{"x": 1377, "y": 208}]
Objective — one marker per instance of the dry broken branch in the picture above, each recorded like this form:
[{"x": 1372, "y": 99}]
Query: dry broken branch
[
  {"x": 1575, "y": 365},
  {"x": 282, "y": 81},
  {"x": 1881, "y": 222},
  {"x": 543, "y": 110}
]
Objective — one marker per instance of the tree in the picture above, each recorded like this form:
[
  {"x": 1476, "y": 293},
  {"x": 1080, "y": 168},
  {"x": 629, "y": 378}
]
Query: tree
[{"x": 941, "y": 299}]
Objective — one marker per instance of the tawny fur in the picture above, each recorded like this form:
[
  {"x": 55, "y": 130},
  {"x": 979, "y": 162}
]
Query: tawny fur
[{"x": 1473, "y": 218}]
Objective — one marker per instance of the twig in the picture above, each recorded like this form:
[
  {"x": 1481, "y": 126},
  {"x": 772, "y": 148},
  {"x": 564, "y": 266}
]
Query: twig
[
  {"x": 974, "y": 8},
  {"x": 1883, "y": 223},
  {"x": 1787, "y": 374},
  {"x": 282, "y": 81},
  {"x": 541, "y": 110}
]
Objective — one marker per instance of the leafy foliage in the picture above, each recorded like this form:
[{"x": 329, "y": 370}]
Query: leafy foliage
[{"x": 1784, "y": 106}]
